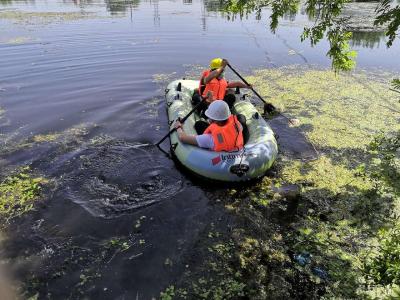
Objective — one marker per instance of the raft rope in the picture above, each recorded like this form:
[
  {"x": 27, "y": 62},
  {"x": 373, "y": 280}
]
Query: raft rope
[
  {"x": 241, "y": 156},
  {"x": 244, "y": 148}
]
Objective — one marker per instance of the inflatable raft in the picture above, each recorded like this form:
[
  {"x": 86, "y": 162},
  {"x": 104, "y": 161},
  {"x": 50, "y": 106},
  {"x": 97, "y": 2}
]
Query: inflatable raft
[{"x": 251, "y": 162}]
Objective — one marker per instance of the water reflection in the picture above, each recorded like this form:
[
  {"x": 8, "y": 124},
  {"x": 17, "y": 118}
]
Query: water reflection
[
  {"x": 117, "y": 7},
  {"x": 367, "y": 39},
  {"x": 113, "y": 6},
  {"x": 9, "y": 2},
  {"x": 156, "y": 13},
  {"x": 230, "y": 10},
  {"x": 213, "y": 5}
]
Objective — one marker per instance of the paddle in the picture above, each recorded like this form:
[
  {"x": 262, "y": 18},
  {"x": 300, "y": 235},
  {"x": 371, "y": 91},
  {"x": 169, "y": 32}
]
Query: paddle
[
  {"x": 268, "y": 107},
  {"x": 287, "y": 135},
  {"x": 182, "y": 121}
]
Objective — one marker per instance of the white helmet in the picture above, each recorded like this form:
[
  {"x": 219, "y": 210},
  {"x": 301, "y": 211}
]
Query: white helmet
[{"x": 218, "y": 111}]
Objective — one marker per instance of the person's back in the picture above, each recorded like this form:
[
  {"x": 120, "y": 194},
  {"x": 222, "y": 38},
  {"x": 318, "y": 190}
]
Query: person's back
[
  {"x": 224, "y": 133},
  {"x": 213, "y": 85},
  {"x": 227, "y": 136},
  {"x": 213, "y": 80}
]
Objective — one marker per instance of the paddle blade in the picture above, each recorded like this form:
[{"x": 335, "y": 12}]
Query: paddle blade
[{"x": 269, "y": 108}]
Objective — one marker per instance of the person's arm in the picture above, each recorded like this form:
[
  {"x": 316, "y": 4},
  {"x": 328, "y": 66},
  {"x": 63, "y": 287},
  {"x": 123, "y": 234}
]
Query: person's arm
[
  {"x": 215, "y": 73},
  {"x": 239, "y": 84},
  {"x": 209, "y": 97},
  {"x": 183, "y": 137}
]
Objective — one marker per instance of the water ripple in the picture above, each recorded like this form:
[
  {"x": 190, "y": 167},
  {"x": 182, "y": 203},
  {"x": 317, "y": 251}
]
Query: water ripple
[{"x": 118, "y": 178}]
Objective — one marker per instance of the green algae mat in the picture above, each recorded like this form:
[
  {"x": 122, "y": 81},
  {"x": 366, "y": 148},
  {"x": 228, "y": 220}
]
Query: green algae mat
[
  {"x": 339, "y": 236},
  {"x": 18, "y": 193}
]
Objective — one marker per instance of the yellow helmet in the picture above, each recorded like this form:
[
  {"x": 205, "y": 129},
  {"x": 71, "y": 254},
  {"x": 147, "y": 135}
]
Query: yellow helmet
[{"x": 216, "y": 63}]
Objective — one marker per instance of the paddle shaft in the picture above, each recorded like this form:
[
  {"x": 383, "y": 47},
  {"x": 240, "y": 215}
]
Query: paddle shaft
[
  {"x": 244, "y": 80},
  {"x": 261, "y": 98},
  {"x": 182, "y": 121}
]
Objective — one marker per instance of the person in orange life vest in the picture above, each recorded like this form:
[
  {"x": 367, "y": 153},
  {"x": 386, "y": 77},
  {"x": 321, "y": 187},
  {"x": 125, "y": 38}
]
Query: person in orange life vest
[
  {"x": 224, "y": 132},
  {"x": 213, "y": 81}
]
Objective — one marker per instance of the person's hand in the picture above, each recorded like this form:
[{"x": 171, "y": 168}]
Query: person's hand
[
  {"x": 178, "y": 124},
  {"x": 224, "y": 62},
  {"x": 209, "y": 97},
  {"x": 249, "y": 86}
]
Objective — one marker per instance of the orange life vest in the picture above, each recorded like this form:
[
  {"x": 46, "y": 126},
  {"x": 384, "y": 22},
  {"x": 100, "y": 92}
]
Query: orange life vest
[
  {"x": 217, "y": 86},
  {"x": 228, "y": 137}
]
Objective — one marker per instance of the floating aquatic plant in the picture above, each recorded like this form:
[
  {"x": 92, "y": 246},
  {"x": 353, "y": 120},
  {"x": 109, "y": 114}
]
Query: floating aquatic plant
[{"x": 19, "y": 192}]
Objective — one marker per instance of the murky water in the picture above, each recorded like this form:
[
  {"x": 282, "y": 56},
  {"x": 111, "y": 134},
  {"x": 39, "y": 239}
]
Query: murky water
[{"x": 93, "y": 75}]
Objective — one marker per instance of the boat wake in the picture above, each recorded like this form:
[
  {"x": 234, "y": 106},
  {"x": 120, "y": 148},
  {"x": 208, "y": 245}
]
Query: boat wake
[{"x": 118, "y": 178}]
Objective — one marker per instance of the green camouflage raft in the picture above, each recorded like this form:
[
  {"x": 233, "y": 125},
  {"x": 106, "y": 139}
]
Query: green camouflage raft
[{"x": 252, "y": 161}]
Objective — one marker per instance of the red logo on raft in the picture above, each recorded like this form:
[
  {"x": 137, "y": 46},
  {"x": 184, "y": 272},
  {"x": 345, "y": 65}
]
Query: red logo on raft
[
  {"x": 231, "y": 157},
  {"x": 216, "y": 160}
]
